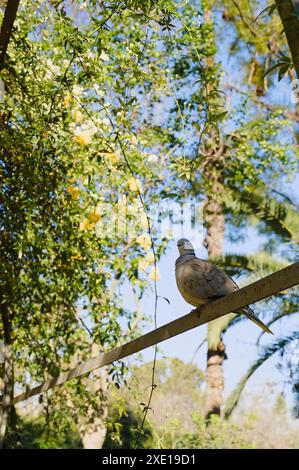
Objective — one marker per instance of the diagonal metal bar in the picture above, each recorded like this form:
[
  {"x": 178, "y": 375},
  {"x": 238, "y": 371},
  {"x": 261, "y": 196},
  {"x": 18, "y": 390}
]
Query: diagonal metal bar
[
  {"x": 6, "y": 28},
  {"x": 261, "y": 289}
]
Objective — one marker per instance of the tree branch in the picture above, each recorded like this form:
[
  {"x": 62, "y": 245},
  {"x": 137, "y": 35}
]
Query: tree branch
[{"x": 6, "y": 28}]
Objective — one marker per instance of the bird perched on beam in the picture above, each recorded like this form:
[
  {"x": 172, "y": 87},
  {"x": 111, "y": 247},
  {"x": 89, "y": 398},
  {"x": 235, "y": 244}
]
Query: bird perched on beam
[{"x": 201, "y": 282}]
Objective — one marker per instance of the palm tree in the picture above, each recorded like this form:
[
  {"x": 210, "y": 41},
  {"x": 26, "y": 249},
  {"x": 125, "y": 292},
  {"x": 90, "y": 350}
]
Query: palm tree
[
  {"x": 268, "y": 351},
  {"x": 225, "y": 161},
  {"x": 281, "y": 220}
]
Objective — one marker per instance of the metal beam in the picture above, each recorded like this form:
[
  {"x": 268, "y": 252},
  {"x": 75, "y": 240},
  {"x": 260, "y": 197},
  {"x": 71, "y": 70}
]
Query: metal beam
[{"x": 261, "y": 289}]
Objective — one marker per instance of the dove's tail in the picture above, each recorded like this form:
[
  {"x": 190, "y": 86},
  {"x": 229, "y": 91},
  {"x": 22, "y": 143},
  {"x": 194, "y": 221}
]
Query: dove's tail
[{"x": 250, "y": 314}]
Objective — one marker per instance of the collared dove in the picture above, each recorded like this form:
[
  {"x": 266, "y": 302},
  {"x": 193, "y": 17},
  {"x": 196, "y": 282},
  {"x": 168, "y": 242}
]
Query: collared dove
[{"x": 201, "y": 282}]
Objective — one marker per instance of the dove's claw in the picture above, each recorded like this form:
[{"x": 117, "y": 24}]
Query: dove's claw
[{"x": 196, "y": 310}]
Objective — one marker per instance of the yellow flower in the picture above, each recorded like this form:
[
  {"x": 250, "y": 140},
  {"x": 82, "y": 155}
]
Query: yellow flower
[
  {"x": 134, "y": 140},
  {"x": 98, "y": 209},
  {"x": 93, "y": 217},
  {"x": 74, "y": 191},
  {"x": 135, "y": 208},
  {"x": 111, "y": 158},
  {"x": 84, "y": 138},
  {"x": 114, "y": 158},
  {"x": 85, "y": 132},
  {"x": 67, "y": 100},
  {"x": 104, "y": 56},
  {"x": 77, "y": 115},
  {"x": 134, "y": 185},
  {"x": 76, "y": 257},
  {"x": 85, "y": 225},
  {"x": 150, "y": 258},
  {"x": 144, "y": 241},
  {"x": 154, "y": 274},
  {"x": 142, "y": 264},
  {"x": 147, "y": 261},
  {"x": 143, "y": 221}
]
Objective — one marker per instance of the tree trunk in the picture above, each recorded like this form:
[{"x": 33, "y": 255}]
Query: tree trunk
[
  {"x": 214, "y": 377},
  {"x": 94, "y": 436},
  {"x": 93, "y": 426},
  {"x": 213, "y": 242},
  {"x": 214, "y": 219},
  {"x": 7, "y": 414},
  {"x": 287, "y": 10},
  {"x": 296, "y": 92},
  {"x": 6, "y": 27}
]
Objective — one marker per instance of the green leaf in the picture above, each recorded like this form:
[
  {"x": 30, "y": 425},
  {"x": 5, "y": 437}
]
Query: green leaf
[
  {"x": 219, "y": 116},
  {"x": 282, "y": 71},
  {"x": 281, "y": 63}
]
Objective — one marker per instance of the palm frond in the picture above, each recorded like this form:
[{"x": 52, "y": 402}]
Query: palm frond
[
  {"x": 274, "y": 320},
  {"x": 285, "y": 197},
  {"x": 280, "y": 216},
  {"x": 268, "y": 351},
  {"x": 261, "y": 262}
]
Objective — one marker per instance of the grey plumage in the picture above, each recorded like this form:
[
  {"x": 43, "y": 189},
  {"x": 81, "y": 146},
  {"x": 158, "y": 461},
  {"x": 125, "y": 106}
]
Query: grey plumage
[{"x": 201, "y": 282}]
